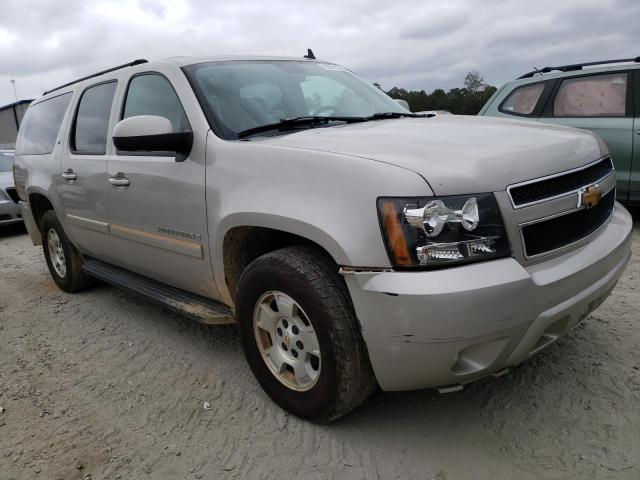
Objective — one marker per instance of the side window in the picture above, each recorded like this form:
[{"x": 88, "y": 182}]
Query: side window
[
  {"x": 594, "y": 96},
  {"x": 152, "y": 94},
  {"x": 89, "y": 136},
  {"x": 523, "y": 99},
  {"x": 41, "y": 125}
]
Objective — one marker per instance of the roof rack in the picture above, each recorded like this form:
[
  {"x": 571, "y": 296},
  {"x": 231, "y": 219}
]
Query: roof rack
[
  {"x": 577, "y": 66},
  {"x": 130, "y": 64}
]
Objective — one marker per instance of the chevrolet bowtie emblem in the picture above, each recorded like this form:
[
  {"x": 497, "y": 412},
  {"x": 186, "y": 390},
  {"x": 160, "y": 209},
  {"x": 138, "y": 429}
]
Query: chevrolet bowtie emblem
[{"x": 589, "y": 197}]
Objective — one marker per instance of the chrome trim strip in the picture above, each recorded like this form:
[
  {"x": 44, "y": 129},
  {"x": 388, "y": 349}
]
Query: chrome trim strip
[
  {"x": 89, "y": 224},
  {"x": 177, "y": 245},
  {"x": 566, "y": 172},
  {"x": 568, "y": 245}
]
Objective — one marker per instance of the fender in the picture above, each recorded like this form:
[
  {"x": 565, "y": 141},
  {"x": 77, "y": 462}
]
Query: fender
[{"x": 275, "y": 222}]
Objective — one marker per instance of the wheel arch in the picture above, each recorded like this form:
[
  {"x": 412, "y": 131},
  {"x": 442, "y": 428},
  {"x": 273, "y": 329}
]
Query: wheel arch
[
  {"x": 246, "y": 238},
  {"x": 39, "y": 203}
]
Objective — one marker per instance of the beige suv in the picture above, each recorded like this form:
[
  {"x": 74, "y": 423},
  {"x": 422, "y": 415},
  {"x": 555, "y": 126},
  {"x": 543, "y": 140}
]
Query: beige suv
[{"x": 354, "y": 243}]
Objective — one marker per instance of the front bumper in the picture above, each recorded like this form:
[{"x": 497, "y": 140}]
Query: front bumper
[
  {"x": 9, "y": 212},
  {"x": 448, "y": 327}
]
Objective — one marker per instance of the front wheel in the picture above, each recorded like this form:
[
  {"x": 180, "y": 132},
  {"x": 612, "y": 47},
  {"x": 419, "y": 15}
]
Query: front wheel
[{"x": 300, "y": 335}]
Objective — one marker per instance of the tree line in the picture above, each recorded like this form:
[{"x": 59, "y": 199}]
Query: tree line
[{"x": 467, "y": 100}]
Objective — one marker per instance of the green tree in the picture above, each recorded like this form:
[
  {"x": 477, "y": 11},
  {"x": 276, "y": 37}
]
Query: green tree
[
  {"x": 474, "y": 82},
  {"x": 467, "y": 100}
]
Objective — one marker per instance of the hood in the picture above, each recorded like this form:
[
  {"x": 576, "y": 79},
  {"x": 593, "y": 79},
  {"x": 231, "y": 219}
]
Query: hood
[{"x": 457, "y": 154}]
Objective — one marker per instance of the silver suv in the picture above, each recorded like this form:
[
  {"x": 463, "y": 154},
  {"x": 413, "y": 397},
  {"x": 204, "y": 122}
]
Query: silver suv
[
  {"x": 354, "y": 243},
  {"x": 9, "y": 209}
]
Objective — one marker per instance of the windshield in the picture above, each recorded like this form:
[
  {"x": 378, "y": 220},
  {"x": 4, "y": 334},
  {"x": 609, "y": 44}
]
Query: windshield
[
  {"x": 241, "y": 95},
  {"x": 6, "y": 162}
]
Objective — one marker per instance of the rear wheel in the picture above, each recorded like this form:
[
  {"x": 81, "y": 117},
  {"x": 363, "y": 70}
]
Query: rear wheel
[
  {"x": 300, "y": 335},
  {"x": 63, "y": 260}
]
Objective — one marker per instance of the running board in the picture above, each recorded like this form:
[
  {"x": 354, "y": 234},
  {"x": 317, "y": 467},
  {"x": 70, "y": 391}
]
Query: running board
[{"x": 203, "y": 309}]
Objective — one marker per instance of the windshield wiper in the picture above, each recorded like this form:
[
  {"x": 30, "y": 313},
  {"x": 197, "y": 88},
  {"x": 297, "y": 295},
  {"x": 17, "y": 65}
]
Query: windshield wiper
[
  {"x": 298, "y": 122},
  {"x": 309, "y": 121},
  {"x": 385, "y": 115}
]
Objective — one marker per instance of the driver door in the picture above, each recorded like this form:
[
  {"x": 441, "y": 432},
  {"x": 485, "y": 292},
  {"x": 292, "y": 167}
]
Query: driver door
[{"x": 157, "y": 205}]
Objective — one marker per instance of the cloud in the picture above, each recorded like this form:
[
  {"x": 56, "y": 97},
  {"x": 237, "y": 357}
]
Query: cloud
[
  {"x": 436, "y": 23},
  {"x": 423, "y": 45}
]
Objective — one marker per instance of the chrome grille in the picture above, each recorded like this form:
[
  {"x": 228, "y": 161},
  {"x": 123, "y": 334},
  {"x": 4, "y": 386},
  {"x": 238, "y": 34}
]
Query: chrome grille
[
  {"x": 543, "y": 189},
  {"x": 548, "y": 235}
]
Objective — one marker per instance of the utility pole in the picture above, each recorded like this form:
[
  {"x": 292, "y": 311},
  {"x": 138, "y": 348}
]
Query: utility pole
[{"x": 15, "y": 94}]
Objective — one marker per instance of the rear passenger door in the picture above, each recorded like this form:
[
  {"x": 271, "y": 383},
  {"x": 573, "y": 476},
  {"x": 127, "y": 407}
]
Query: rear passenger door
[
  {"x": 602, "y": 103},
  {"x": 83, "y": 177},
  {"x": 158, "y": 221}
]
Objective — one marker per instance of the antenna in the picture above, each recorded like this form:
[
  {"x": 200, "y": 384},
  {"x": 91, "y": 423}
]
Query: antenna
[
  {"x": 310, "y": 54},
  {"x": 13, "y": 83}
]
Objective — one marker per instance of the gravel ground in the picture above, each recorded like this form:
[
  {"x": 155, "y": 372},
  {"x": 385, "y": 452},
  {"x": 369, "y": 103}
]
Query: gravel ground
[{"x": 103, "y": 385}]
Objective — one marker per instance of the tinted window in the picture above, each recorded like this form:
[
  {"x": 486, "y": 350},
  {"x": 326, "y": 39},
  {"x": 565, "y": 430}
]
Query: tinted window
[
  {"x": 595, "y": 96},
  {"x": 523, "y": 99},
  {"x": 6, "y": 162},
  {"x": 41, "y": 125},
  {"x": 154, "y": 95},
  {"x": 92, "y": 119}
]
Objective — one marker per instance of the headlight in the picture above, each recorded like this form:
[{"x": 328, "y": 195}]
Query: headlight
[{"x": 440, "y": 231}]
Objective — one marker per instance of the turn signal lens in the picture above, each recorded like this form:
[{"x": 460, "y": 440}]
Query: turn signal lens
[{"x": 395, "y": 235}]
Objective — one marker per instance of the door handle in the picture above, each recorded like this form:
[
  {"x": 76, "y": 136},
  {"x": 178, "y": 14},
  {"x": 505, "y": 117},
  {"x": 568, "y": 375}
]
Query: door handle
[
  {"x": 119, "y": 180},
  {"x": 69, "y": 174}
]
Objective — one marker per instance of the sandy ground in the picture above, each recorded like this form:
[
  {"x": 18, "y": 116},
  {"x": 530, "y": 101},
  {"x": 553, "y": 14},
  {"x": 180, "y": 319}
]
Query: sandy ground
[{"x": 103, "y": 385}]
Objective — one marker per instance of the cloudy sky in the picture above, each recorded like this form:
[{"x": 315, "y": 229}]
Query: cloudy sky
[{"x": 410, "y": 44}]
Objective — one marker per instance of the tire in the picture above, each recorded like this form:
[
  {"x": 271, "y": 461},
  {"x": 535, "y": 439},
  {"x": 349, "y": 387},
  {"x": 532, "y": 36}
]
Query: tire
[
  {"x": 343, "y": 375},
  {"x": 71, "y": 278}
]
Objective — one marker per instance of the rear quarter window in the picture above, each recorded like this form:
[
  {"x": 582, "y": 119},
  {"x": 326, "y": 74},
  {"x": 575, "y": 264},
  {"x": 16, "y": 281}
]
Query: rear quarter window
[
  {"x": 523, "y": 99},
  {"x": 41, "y": 126}
]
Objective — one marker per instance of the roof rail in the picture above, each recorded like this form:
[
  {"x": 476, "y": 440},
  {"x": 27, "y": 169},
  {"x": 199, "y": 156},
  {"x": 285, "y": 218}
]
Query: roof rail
[
  {"x": 130, "y": 64},
  {"x": 577, "y": 66}
]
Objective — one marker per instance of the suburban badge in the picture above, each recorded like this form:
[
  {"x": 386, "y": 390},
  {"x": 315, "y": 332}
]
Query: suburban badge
[{"x": 178, "y": 233}]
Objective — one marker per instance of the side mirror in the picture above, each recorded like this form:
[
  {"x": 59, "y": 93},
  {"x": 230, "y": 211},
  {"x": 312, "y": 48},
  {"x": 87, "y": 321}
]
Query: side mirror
[
  {"x": 404, "y": 103},
  {"x": 151, "y": 133}
]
